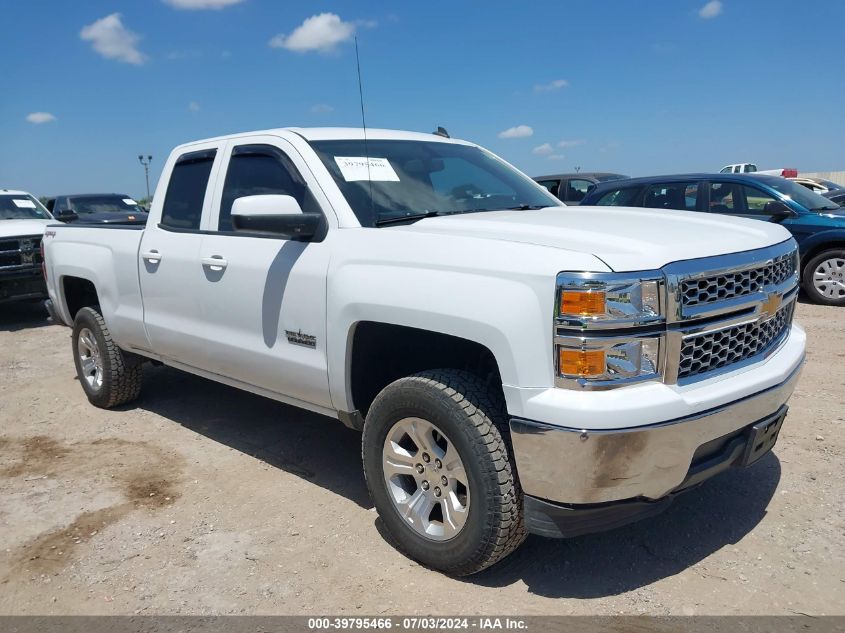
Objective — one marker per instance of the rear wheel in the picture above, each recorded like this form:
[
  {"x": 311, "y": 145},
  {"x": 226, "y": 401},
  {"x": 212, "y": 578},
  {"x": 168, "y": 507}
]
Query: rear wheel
[
  {"x": 439, "y": 471},
  {"x": 108, "y": 375},
  {"x": 824, "y": 278}
]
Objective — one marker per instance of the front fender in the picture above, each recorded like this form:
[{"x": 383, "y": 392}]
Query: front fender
[{"x": 504, "y": 302}]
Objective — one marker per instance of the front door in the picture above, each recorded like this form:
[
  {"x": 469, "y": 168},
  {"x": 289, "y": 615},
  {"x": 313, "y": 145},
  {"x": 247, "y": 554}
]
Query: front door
[{"x": 263, "y": 298}]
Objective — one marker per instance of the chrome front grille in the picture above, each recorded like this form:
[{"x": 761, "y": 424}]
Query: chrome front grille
[
  {"x": 729, "y": 285},
  {"x": 703, "y": 353},
  {"x": 20, "y": 252}
]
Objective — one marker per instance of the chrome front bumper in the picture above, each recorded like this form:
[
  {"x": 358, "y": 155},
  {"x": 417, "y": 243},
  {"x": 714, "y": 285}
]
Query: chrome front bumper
[{"x": 576, "y": 466}]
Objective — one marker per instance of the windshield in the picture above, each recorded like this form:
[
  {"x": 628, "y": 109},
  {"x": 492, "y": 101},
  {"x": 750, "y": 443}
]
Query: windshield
[
  {"x": 419, "y": 178},
  {"x": 22, "y": 207},
  {"x": 85, "y": 205},
  {"x": 803, "y": 196}
]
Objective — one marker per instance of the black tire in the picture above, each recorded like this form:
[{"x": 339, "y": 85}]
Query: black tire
[
  {"x": 809, "y": 269},
  {"x": 475, "y": 420},
  {"x": 121, "y": 371}
]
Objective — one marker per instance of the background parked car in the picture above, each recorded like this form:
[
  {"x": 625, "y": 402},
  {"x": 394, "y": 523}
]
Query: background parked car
[
  {"x": 572, "y": 188},
  {"x": 97, "y": 208},
  {"x": 751, "y": 168},
  {"x": 818, "y": 185},
  {"x": 837, "y": 196},
  {"x": 816, "y": 222},
  {"x": 22, "y": 222}
]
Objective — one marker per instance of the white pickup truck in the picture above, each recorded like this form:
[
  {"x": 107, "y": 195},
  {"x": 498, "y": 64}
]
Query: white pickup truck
[
  {"x": 751, "y": 168},
  {"x": 515, "y": 365}
]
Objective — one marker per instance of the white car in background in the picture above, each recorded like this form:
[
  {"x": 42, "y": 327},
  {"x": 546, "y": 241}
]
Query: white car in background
[
  {"x": 818, "y": 185},
  {"x": 22, "y": 222}
]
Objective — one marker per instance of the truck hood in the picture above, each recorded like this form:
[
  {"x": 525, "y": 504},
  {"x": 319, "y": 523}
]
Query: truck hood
[
  {"x": 19, "y": 228},
  {"x": 625, "y": 238}
]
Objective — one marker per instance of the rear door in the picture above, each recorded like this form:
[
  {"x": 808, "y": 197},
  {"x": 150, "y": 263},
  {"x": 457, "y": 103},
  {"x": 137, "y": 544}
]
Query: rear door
[
  {"x": 263, "y": 298},
  {"x": 170, "y": 270}
]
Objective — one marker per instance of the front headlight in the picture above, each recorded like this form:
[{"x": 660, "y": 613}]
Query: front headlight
[
  {"x": 609, "y": 361},
  {"x": 593, "y": 312},
  {"x": 601, "y": 300}
]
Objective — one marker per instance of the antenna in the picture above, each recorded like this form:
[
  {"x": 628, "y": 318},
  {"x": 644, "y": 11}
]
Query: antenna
[{"x": 364, "y": 126}]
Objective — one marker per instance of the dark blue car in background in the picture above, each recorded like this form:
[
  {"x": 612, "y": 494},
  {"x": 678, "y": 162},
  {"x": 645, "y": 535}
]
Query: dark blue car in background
[{"x": 816, "y": 222}]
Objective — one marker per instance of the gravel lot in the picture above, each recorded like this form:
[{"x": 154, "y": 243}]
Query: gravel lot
[{"x": 202, "y": 499}]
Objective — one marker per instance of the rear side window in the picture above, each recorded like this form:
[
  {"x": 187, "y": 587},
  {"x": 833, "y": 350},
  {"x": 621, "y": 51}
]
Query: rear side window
[
  {"x": 723, "y": 197},
  {"x": 577, "y": 189},
  {"x": 618, "y": 198},
  {"x": 186, "y": 190},
  {"x": 550, "y": 185},
  {"x": 682, "y": 196}
]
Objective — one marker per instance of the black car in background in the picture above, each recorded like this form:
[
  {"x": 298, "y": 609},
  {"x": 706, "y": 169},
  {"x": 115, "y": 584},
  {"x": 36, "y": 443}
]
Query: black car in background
[
  {"x": 571, "y": 188},
  {"x": 838, "y": 196},
  {"x": 97, "y": 208}
]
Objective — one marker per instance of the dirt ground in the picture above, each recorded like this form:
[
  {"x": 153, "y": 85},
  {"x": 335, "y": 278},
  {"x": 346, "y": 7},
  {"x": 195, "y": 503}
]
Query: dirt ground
[{"x": 200, "y": 499}]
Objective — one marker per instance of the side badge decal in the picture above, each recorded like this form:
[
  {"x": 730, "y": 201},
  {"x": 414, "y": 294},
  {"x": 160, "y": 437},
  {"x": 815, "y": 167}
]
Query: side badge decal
[{"x": 298, "y": 338}]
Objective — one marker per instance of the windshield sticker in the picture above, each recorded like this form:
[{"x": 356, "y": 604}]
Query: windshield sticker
[
  {"x": 129, "y": 201},
  {"x": 355, "y": 168},
  {"x": 23, "y": 204}
]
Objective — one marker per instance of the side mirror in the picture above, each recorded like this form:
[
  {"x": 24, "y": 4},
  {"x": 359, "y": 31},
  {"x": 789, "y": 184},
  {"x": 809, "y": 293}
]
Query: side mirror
[
  {"x": 778, "y": 210},
  {"x": 66, "y": 215},
  {"x": 276, "y": 215}
]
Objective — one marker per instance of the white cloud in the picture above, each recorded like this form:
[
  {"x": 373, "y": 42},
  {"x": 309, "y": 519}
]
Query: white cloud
[
  {"x": 112, "y": 40},
  {"x": 556, "y": 156},
  {"x": 193, "y": 5},
  {"x": 321, "y": 32},
  {"x": 194, "y": 106},
  {"x": 552, "y": 86},
  {"x": 40, "y": 117},
  {"x": 570, "y": 143},
  {"x": 543, "y": 150},
  {"x": 322, "y": 108},
  {"x": 518, "y": 131},
  {"x": 710, "y": 10}
]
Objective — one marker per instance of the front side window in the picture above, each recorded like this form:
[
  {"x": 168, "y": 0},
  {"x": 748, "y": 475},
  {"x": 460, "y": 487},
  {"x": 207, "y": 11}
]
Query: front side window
[
  {"x": 756, "y": 200},
  {"x": 682, "y": 196},
  {"x": 186, "y": 190},
  {"x": 393, "y": 181},
  {"x": 618, "y": 198},
  {"x": 577, "y": 189},
  {"x": 261, "y": 170},
  {"x": 21, "y": 207}
]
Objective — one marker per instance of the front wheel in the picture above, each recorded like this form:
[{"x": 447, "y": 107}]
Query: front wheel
[
  {"x": 824, "y": 278},
  {"x": 440, "y": 473}
]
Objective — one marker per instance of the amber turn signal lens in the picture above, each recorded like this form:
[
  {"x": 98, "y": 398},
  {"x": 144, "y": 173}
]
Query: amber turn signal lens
[
  {"x": 587, "y": 303},
  {"x": 581, "y": 363}
]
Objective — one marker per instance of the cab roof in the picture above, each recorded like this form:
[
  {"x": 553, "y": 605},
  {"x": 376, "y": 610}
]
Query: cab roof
[{"x": 339, "y": 134}]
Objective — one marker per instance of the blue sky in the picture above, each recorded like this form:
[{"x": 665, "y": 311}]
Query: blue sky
[{"x": 640, "y": 87}]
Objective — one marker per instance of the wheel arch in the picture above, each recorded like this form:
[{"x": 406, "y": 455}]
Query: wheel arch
[{"x": 379, "y": 353}]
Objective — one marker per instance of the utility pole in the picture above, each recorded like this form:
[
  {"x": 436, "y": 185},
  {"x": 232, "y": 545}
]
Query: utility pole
[{"x": 146, "y": 165}]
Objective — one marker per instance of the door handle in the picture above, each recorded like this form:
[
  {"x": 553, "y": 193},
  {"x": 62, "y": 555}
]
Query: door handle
[
  {"x": 153, "y": 256},
  {"x": 215, "y": 262}
]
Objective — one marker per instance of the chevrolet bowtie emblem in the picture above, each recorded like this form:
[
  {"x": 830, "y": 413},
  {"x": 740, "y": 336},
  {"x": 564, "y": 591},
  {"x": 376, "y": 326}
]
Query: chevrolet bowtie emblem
[{"x": 770, "y": 305}]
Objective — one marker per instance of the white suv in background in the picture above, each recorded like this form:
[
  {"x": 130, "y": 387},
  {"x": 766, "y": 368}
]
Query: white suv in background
[{"x": 22, "y": 222}]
